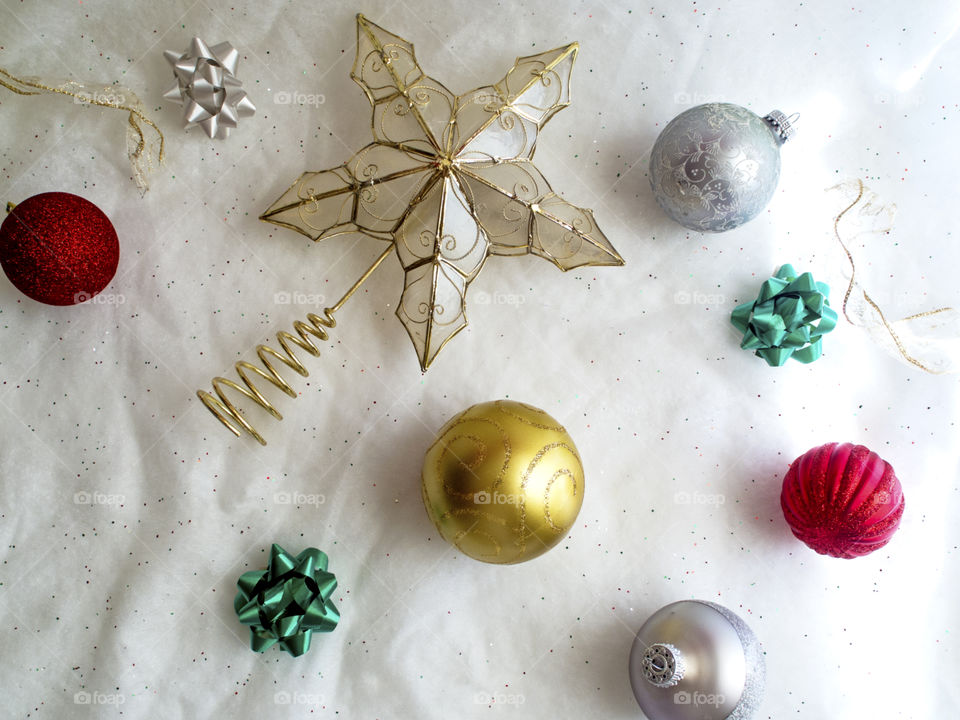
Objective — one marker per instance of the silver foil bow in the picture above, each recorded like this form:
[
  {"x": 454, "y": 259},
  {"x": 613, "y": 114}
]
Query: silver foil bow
[{"x": 208, "y": 88}]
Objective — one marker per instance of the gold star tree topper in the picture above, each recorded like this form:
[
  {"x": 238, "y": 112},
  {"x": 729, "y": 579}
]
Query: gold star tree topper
[{"x": 449, "y": 180}]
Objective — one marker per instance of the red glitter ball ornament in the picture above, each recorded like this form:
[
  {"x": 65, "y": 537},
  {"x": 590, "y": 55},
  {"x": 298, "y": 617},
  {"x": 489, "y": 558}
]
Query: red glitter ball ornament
[
  {"x": 58, "y": 248},
  {"x": 842, "y": 500}
]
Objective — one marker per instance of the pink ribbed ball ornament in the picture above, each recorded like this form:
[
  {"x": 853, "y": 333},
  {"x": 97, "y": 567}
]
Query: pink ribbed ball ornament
[{"x": 842, "y": 500}]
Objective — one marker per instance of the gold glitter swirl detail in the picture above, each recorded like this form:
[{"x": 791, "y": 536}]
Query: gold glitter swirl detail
[
  {"x": 505, "y": 409},
  {"x": 546, "y": 499},
  {"x": 446, "y": 438},
  {"x": 474, "y": 530},
  {"x": 563, "y": 472}
]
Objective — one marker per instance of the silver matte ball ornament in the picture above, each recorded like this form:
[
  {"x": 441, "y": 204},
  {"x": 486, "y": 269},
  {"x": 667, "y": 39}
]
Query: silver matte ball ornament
[
  {"x": 696, "y": 660},
  {"x": 715, "y": 166}
]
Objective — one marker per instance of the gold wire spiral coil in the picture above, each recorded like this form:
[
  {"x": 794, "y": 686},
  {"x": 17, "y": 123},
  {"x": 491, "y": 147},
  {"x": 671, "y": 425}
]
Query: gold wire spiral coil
[{"x": 228, "y": 413}]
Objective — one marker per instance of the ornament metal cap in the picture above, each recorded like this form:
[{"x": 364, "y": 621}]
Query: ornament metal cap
[
  {"x": 663, "y": 665},
  {"x": 783, "y": 125}
]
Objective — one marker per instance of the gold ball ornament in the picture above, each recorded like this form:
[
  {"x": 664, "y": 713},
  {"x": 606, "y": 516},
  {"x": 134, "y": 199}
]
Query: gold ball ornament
[{"x": 503, "y": 482}]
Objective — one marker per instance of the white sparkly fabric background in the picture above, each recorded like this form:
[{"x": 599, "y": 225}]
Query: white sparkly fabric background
[{"x": 685, "y": 438}]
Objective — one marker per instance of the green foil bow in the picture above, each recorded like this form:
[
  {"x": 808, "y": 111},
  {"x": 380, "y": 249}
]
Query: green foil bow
[
  {"x": 787, "y": 319},
  {"x": 288, "y": 601}
]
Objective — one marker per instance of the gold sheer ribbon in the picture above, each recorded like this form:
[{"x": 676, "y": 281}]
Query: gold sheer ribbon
[
  {"x": 145, "y": 154},
  {"x": 928, "y": 340}
]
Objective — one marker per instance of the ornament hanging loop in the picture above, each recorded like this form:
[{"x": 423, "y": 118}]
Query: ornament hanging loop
[{"x": 782, "y": 124}]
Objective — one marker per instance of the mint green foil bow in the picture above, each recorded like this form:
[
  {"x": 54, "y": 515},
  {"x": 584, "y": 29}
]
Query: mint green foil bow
[
  {"x": 787, "y": 319},
  {"x": 288, "y": 601}
]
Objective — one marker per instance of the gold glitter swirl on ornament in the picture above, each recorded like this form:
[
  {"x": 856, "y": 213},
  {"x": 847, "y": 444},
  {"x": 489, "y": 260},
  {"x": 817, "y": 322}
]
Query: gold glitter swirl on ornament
[
  {"x": 563, "y": 472},
  {"x": 503, "y": 482},
  {"x": 505, "y": 406}
]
